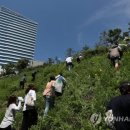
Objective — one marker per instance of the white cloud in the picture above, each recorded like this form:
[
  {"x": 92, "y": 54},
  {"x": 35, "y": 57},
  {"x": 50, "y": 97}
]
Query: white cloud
[{"x": 115, "y": 8}]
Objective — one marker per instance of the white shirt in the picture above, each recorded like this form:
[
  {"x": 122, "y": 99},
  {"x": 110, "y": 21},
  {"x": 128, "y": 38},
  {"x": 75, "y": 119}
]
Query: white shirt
[
  {"x": 10, "y": 115},
  {"x": 33, "y": 95},
  {"x": 69, "y": 59},
  {"x": 80, "y": 57}
]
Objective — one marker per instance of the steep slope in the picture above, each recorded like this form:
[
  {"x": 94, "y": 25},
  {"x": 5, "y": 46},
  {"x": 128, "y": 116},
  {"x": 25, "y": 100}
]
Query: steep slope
[{"x": 90, "y": 85}]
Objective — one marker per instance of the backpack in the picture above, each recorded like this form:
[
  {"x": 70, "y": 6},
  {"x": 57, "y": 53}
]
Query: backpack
[
  {"x": 29, "y": 100},
  {"x": 58, "y": 85}
]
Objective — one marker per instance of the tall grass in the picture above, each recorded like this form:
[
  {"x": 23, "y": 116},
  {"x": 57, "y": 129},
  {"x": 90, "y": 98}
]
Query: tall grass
[{"x": 90, "y": 85}]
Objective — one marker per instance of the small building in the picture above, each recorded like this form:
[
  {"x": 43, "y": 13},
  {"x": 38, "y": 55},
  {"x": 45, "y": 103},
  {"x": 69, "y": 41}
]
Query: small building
[{"x": 35, "y": 63}]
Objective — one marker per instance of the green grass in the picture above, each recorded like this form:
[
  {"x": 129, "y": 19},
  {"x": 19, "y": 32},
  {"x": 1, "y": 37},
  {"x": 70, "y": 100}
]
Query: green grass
[{"x": 90, "y": 85}]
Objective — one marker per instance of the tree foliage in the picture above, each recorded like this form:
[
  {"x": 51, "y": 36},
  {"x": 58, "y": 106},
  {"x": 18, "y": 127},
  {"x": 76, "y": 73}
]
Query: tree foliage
[
  {"x": 70, "y": 52},
  {"x": 22, "y": 64},
  {"x": 110, "y": 36},
  {"x": 50, "y": 61},
  {"x": 8, "y": 68},
  {"x": 85, "y": 47},
  {"x": 57, "y": 60}
]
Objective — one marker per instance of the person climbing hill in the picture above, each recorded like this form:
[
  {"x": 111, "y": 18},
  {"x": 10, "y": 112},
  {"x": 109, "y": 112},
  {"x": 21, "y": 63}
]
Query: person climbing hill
[
  {"x": 34, "y": 75},
  {"x": 118, "y": 109},
  {"x": 79, "y": 57},
  {"x": 115, "y": 54},
  {"x": 11, "y": 109},
  {"x": 49, "y": 95},
  {"x": 69, "y": 63},
  {"x": 59, "y": 84},
  {"x": 30, "y": 115},
  {"x": 22, "y": 81}
]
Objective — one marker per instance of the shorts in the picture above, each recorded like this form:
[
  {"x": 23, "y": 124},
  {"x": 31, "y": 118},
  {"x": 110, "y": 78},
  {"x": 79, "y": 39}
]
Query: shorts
[
  {"x": 115, "y": 59},
  {"x": 70, "y": 63}
]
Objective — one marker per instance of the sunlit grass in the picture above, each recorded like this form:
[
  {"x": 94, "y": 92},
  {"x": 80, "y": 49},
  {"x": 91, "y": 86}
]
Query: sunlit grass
[{"x": 90, "y": 85}]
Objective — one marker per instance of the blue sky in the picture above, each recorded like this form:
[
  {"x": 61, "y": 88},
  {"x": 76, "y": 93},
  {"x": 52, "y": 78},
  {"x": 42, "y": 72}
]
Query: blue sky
[{"x": 64, "y": 24}]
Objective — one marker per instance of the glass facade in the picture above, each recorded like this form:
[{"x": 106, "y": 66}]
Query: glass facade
[{"x": 17, "y": 36}]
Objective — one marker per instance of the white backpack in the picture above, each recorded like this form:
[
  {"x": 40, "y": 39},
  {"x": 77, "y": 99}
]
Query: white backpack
[
  {"x": 58, "y": 86},
  {"x": 29, "y": 100}
]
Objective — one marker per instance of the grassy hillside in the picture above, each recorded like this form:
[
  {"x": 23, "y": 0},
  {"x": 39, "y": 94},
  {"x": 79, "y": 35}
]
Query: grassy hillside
[{"x": 90, "y": 85}]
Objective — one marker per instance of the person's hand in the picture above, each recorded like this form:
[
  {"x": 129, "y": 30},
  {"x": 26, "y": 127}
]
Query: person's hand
[{"x": 20, "y": 99}]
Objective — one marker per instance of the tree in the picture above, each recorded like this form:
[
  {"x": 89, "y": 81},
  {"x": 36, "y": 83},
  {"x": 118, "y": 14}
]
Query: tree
[
  {"x": 129, "y": 27},
  {"x": 110, "y": 36},
  {"x": 85, "y": 47},
  {"x": 22, "y": 64},
  {"x": 103, "y": 38},
  {"x": 8, "y": 68},
  {"x": 50, "y": 61},
  {"x": 57, "y": 60},
  {"x": 70, "y": 52},
  {"x": 114, "y": 35},
  {"x": 125, "y": 34}
]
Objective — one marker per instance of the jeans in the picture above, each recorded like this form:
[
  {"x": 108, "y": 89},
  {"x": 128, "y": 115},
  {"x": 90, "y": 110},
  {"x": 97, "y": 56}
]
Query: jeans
[{"x": 49, "y": 103}]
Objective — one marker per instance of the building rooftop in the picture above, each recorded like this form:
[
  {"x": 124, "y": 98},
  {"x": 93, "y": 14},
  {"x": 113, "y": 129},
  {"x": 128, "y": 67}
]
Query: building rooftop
[{"x": 2, "y": 8}]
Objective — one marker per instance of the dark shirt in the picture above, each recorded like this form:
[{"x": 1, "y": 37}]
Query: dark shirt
[
  {"x": 23, "y": 79},
  {"x": 34, "y": 73},
  {"x": 121, "y": 111}
]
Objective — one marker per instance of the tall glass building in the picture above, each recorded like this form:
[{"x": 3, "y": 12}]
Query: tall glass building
[{"x": 17, "y": 36}]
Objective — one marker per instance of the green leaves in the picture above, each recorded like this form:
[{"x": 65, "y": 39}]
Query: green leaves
[{"x": 90, "y": 86}]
